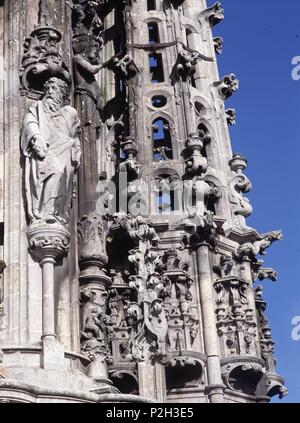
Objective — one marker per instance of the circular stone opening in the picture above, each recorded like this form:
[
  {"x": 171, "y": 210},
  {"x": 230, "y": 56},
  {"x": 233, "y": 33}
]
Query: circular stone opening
[{"x": 159, "y": 101}]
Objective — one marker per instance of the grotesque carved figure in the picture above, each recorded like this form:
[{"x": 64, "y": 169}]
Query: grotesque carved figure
[
  {"x": 51, "y": 148},
  {"x": 258, "y": 247},
  {"x": 225, "y": 268},
  {"x": 231, "y": 116},
  {"x": 93, "y": 319},
  {"x": 213, "y": 14},
  {"x": 227, "y": 86},
  {"x": 218, "y": 44},
  {"x": 185, "y": 66}
]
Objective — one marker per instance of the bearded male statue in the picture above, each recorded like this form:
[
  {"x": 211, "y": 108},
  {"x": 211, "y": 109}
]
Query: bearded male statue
[{"x": 51, "y": 146}]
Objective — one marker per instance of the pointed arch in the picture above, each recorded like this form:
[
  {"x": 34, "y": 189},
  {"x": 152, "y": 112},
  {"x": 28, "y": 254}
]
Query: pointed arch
[{"x": 161, "y": 139}]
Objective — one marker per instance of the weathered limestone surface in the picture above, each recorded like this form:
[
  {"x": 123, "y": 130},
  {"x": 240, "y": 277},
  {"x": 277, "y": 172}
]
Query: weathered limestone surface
[{"x": 128, "y": 270}]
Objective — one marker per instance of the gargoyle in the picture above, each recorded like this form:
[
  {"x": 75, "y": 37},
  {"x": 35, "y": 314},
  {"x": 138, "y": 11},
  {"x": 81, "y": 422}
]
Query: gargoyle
[{"x": 251, "y": 250}]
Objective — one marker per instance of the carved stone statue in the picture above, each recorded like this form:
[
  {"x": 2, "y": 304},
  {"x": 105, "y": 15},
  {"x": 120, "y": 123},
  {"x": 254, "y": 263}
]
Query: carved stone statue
[
  {"x": 239, "y": 184},
  {"x": 93, "y": 320},
  {"x": 87, "y": 63},
  {"x": 51, "y": 148}
]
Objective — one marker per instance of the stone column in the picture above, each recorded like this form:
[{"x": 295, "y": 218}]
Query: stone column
[
  {"x": 48, "y": 243},
  {"x": 2, "y": 268},
  {"x": 200, "y": 243},
  {"x": 246, "y": 275},
  {"x": 94, "y": 283},
  {"x": 152, "y": 381}
]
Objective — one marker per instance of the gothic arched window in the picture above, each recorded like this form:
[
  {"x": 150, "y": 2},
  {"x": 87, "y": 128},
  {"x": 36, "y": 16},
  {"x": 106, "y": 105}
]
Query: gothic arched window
[
  {"x": 189, "y": 41},
  {"x": 199, "y": 108},
  {"x": 162, "y": 141},
  {"x": 153, "y": 33},
  {"x": 156, "y": 68}
]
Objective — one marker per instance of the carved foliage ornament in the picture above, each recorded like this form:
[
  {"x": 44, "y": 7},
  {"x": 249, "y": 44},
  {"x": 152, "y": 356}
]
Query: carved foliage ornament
[{"x": 137, "y": 228}]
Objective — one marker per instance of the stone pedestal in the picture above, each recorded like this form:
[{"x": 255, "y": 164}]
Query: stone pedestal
[{"x": 48, "y": 243}]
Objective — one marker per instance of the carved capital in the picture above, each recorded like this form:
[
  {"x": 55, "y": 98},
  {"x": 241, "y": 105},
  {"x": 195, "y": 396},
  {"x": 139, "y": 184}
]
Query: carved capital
[{"x": 48, "y": 241}]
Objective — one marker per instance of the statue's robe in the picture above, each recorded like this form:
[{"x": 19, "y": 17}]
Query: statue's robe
[{"x": 49, "y": 181}]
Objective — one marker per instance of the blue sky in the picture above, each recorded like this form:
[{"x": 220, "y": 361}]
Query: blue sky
[{"x": 260, "y": 39}]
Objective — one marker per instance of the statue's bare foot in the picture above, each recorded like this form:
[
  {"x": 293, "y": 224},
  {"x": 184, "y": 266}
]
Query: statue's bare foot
[{"x": 36, "y": 217}]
